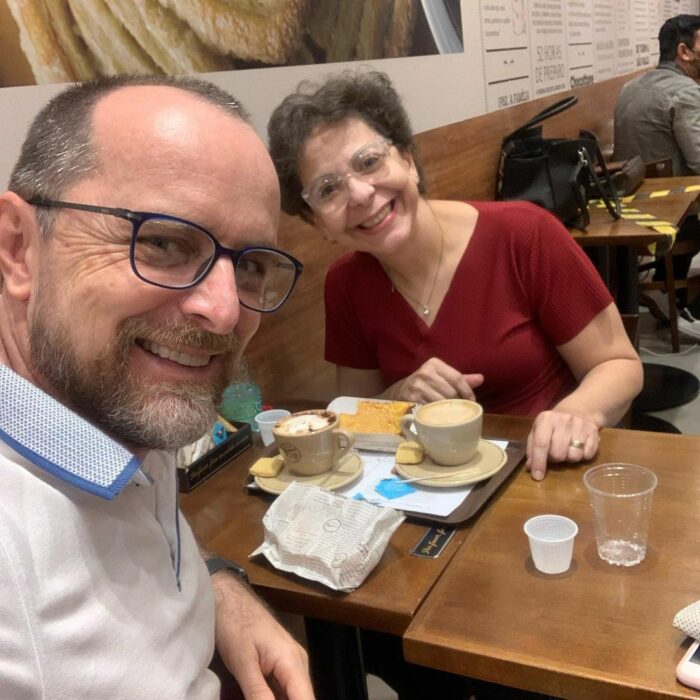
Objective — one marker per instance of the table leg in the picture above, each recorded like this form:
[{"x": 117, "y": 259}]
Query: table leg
[
  {"x": 335, "y": 658},
  {"x": 627, "y": 279},
  {"x": 600, "y": 257}
]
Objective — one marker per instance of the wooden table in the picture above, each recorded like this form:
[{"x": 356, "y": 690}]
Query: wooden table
[
  {"x": 605, "y": 231},
  {"x": 618, "y": 267},
  {"x": 227, "y": 519},
  {"x": 597, "y": 631}
]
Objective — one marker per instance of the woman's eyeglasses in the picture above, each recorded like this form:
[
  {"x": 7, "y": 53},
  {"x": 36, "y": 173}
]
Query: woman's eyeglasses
[
  {"x": 174, "y": 253},
  {"x": 331, "y": 191}
]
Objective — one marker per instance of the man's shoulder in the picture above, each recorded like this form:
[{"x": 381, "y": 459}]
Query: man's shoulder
[
  {"x": 51, "y": 436},
  {"x": 665, "y": 77}
]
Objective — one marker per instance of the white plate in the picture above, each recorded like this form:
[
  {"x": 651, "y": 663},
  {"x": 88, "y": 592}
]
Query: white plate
[
  {"x": 379, "y": 442},
  {"x": 488, "y": 460}
]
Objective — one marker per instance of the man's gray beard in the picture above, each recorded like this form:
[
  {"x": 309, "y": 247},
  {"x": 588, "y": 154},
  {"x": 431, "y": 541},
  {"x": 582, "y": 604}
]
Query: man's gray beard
[{"x": 131, "y": 409}]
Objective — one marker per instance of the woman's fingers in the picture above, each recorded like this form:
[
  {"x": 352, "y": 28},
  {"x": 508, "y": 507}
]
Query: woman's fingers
[
  {"x": 435, "y": 380},
  {"x": 559, "y": 437}
]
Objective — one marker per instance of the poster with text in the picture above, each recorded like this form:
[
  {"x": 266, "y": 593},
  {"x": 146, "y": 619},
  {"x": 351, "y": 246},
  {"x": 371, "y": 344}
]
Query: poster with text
[
  {"x": 579, "y": 38},
  {"x": 505, "y": 35},
  {"x": 548, "y": 53},
  {"x": 605, "y": 44}
]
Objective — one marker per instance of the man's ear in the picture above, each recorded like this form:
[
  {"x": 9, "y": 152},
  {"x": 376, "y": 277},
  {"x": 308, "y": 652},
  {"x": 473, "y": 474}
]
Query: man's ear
[
  {"x": 683, "y": 53},
  {"x": 19, "y": 241}
]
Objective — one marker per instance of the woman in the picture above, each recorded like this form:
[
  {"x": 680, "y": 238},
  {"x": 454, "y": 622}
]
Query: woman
[{"x": 438, "y": 299}]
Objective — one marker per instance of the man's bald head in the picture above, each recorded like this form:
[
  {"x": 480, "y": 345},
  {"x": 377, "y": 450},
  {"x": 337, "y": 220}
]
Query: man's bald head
[{"x": 59, "y": 149}]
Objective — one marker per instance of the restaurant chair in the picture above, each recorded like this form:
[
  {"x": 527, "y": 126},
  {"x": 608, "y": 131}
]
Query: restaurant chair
[{"x": 670, "y": 285}]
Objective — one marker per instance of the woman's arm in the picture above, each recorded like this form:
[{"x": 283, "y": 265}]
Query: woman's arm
[{"x": 609, "y": 375}]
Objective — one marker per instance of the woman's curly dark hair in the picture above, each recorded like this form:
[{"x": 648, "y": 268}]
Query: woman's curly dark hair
[{"x": 366, "y": 95}]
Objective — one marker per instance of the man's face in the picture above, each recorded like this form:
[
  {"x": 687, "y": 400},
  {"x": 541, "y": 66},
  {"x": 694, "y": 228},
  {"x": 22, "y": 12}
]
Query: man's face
[{"x": 146, "y": 364}]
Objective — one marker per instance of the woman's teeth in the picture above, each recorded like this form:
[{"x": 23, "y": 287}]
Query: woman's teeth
[
  {"x": 378, "y": 217},
  {"x": 174, "y": 355}
]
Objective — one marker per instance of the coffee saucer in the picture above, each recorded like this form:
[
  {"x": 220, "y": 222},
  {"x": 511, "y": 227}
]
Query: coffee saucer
[
  {"x": 349, "y": 469},
  {"x": 487, "y": 461}
]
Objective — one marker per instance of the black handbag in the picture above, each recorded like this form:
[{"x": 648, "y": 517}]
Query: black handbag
[
  {"x": 558, "y": 174},
  {"x": 627, "y": 175}
]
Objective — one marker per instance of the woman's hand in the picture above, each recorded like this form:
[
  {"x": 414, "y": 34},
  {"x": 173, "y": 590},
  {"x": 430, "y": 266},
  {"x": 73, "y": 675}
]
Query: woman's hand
[
  {"x": 435, "y": 380},
  {"x": 559, "y": 437}
]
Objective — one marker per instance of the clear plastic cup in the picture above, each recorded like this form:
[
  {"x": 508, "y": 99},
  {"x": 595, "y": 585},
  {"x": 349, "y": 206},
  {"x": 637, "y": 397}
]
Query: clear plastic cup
[
  {"x": 266, "y": 420},
  {"x": 551, "y": 540},
  {"x": 620, "y": 496}
]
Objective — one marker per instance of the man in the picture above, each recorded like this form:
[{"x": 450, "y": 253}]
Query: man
[
  {"x": 121, "y": 318},
  {"x": 657, "y": 116}
]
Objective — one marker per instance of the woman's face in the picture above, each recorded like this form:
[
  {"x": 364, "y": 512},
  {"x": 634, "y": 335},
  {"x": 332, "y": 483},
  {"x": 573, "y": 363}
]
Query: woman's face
[{"x": 378, "y": 216}]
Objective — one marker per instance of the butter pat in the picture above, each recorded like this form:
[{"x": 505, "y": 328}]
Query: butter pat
[
  {"x": 409, "y": 453},
  {"x": 267, "y": 466}
]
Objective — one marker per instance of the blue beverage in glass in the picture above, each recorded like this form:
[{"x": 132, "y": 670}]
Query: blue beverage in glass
[{"x": 241, "y": 402}]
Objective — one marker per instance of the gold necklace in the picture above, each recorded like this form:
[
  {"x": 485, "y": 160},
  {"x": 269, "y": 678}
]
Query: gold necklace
[{"x": 424, "y": 307}]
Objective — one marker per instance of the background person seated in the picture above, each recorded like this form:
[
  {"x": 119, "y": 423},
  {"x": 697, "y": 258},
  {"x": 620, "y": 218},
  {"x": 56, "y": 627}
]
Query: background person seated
[{"x": 657, "y": 117}]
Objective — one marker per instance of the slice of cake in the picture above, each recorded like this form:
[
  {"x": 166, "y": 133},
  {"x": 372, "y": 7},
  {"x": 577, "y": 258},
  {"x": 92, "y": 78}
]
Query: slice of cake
[{"x": 376, "y": 417}]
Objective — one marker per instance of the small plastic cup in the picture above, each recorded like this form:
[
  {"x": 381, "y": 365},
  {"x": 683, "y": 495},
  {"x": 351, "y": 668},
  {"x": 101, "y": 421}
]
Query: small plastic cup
[
  {"x": 266, "y": 420},
  {"x": 551, "y": 540}
]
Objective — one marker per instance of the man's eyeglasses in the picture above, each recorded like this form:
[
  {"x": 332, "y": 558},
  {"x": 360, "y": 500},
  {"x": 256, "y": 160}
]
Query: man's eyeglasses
[
  {"x": 330, "y": 191},
  {"x": 176, "y": 254}
]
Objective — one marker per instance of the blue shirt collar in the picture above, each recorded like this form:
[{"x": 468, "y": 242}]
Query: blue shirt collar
[{"x": 45, "y": 432}]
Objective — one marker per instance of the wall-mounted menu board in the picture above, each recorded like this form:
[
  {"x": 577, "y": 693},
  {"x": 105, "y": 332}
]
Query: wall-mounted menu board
[
  {"x": 450, "y": 59},
  {"x": 533, "y": 48}
]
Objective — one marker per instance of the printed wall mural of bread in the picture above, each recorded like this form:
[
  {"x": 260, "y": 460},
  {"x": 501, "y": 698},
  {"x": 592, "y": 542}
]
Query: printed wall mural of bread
[{"x": 69, "y": 40}]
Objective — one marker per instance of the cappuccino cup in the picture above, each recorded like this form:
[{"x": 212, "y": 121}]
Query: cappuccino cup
[
  {"x": 449, "y": 430},
  {"x": 310, "y": 442}
]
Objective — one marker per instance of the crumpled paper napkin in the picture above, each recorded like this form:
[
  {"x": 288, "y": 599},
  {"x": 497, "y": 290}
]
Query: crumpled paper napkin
[
  {"x": 688, "y": 620},
  {"x": 326, "y": 537}
]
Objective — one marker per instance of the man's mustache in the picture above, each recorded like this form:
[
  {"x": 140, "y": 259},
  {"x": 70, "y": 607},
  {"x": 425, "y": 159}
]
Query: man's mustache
[{"x": 177, "y": 334}]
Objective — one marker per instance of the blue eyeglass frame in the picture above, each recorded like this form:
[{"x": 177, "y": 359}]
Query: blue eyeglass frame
[{"x": 137, "y": 218}]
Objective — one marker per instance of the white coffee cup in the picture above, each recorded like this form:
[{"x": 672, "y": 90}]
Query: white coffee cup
[
  {"x": 310, "y": 442},
  {"x": 449, "y": 430}
]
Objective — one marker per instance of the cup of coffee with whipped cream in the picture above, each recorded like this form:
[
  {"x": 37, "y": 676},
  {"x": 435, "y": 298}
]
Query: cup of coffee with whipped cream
[
  {"x": 310, "y": 442},
  {"x": 449, "y": 430}
]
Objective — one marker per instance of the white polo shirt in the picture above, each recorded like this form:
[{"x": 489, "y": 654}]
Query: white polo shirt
[{"x": 103, "y": 593}]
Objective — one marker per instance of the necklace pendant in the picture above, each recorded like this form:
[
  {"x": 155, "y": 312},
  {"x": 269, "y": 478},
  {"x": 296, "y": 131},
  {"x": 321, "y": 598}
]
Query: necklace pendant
[{"x": 426, "y": 310}]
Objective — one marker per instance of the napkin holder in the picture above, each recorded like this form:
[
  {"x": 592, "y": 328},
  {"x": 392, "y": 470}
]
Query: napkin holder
[{"x": 194, "y": 474}]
